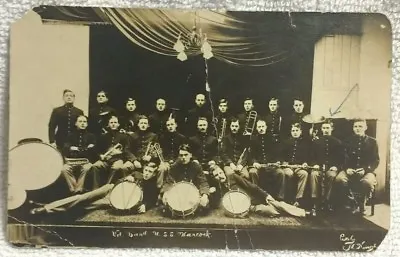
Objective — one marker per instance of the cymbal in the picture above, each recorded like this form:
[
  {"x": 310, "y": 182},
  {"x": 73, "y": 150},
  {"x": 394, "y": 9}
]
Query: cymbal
[{"x": 312, "y": 119}]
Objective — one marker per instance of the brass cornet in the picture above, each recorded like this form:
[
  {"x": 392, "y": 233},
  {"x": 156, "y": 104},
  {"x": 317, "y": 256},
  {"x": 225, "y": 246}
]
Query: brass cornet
[
  {"x": 250, "y": 123},
  {"x": 158, "y": 150}
]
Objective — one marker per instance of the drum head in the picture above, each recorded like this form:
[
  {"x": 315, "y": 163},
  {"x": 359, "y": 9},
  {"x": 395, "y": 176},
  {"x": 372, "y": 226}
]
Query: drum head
[
  {"x": 34, "y": 165},
  {"x": 16, "y": 197},
  {"x": 125, "y": 195},
  {"x": 183, "y": 197},
  {"x": 236, "y": 202}
]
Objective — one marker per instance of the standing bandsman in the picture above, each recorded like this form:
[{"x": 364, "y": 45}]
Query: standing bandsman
[
  {"x": 100, "y": 114},
  {"x": 131, "y": 116},
  {"x": 274, "y": 120},
  {"x": 79, "y": 144},
  {"x": 200, "y": 110},
  {"x": 362, "y": 159},
  {"x": 222, "y": 116},
  {"x": 62, "y": 120},
  {"x": 295, "y": 156},
  {"x": 327, "y": 158},
  {"x": 297, "y": 117},
  {"x": 159, "y": 117},
  {"x": 114, "y": 155},
  {"x": 234, "y": 156},
  {"x": 243, "y": 117}
]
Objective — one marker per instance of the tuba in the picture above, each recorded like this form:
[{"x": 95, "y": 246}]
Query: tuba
[{"x": 250, "y": 123}]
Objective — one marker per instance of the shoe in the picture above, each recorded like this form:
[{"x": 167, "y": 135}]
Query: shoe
[{"x": 38, "y": 210}]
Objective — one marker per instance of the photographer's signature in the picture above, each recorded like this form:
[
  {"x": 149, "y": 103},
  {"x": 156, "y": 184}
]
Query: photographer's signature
[{"x": 350, "y": 243}]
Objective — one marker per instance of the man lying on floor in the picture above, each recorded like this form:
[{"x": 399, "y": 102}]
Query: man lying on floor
[{"x": 100, "y": 198}]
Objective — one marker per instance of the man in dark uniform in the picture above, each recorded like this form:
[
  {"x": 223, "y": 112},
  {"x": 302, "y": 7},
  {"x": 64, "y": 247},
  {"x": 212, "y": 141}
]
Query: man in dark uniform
[
  {"x": 262, "y": 154},
  {"x": 234, "y": 151},
  {"x": 295, "y": 156},
  {"x": 362, "y": 158},
  {"x": 131, "y": 116},
  {"x": 159, "y": 117},
  {"x": 223, "y": 116},
  {"x": 248, "y": 106},
  {"x": 274, "y": 120},
  {"x": 327, "y": 159},
  {"x": 186, "y": 169},
  {"x": 201, "y": 110},
  {"x": 79, "y": 144},
  {"x": 297, "y": 117},
  {"x": 62, "y": 120},
  {"x": 141, "y": 142},
  {"x": 117, "y": 159},
  {"x": 100, "y": 115}
]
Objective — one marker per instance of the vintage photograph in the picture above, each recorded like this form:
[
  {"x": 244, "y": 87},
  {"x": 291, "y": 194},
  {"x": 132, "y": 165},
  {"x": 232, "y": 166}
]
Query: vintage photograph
[{"x": 199, "y": 129}]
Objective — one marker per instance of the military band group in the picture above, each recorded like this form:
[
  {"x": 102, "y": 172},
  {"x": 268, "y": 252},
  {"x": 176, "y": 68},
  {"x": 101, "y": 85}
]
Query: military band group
[{"x": 273, "y": 159}]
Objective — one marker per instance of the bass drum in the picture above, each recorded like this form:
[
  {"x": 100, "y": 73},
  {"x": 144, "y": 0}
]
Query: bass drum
[
  {"x": 126, "y": 196},
  {"x": 34, "y": 165},
  {"x": 183, "y": 199},
  {"x": 236, "y": 204}
]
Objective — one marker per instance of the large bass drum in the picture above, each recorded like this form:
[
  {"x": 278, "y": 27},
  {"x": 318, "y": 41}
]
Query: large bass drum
[
  {"x": 34, "y": 165},
  {"x": 236, "y": 204},
  {"x": 183, "y": 199},
  {"x": 126, "y": 196}
]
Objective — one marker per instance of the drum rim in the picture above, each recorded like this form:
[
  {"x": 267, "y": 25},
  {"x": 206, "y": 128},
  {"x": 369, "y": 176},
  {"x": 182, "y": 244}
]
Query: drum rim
[
  {"x": 62, "y": 162},
  {"x": 187, "y": 212},
  {"x": 38, "y": 143},
  {"x": 136, "y": 205},
  {"x": 236, "y": 214}
]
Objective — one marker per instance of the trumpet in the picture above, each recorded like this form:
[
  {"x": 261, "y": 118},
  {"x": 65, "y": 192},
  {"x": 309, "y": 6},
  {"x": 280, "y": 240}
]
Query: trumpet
[
  {"x": 223, "y": 130},
  {"x": 148, "y": 148},
  {"x": 158, "y": 150},
  {"x": 250, "y": 123},
  {"x": 111, "y": 152},
  {"x": 241, "y": 157}
]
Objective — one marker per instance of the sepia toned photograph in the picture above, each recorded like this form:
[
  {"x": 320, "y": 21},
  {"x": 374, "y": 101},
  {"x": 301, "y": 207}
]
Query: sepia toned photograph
[{"x": 199, "y": 129}]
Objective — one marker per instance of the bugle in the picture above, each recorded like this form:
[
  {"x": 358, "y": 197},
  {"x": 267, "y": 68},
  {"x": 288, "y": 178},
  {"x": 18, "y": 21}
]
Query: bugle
[{"x": 250, "y": 123}]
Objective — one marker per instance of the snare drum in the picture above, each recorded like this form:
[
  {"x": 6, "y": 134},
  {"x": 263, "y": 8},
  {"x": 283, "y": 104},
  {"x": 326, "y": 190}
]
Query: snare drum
[
  {"x": 236, "y": 204},
  {"x": 183, "y": 198},
  {"x": 34, "y": 165},
  {"x": 126, "y": 196}
]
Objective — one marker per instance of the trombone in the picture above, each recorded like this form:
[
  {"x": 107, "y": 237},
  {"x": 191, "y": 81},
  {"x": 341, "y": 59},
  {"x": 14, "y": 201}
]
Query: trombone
[{"x": 250, "y": 123}]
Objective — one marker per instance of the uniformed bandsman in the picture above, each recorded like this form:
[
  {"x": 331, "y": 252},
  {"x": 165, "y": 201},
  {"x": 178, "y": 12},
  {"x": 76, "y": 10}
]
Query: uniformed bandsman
[
  {"x": 79, "y": 144},
  {"x": 327, "y": 158},
  {"x": 62, "y": 120},
  {"x": 100, "y": 114},
  {"x": 274, "y": 120},
  {"x": 159, "y": 117},
  {"x": 200, "y": 110},
  {"x": 222, "y": 116},
  {"x": 131, "y": 116},
  {"x": 243, "y": 117},
  {"x": 362, "y": 159},
  {"x": 296, "y": 151}
]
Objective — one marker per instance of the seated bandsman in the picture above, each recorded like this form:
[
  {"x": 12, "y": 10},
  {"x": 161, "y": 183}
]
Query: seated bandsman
[
  {"x": 327, "y": 160},
  {"x": 100, "y": 114},
  {"x": 274, "y": 120},
  {"x": 295, "y": 156},
  {"x": 262, "y": 156},
  {"x": 142, "y": 143},
  {"x": 79, "y": 144},
  {"x": 186, "y": 169},
  {"x": 234, "y": 151},
  {"x": 114, "y": 154},
  {"x": 159, "y": 117},
  {"x": 362, "y": 159},
  {"x": 100, "y": 197},
  {"x": 170, "y": 142},
  {"x": 131, "y": 117}
]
